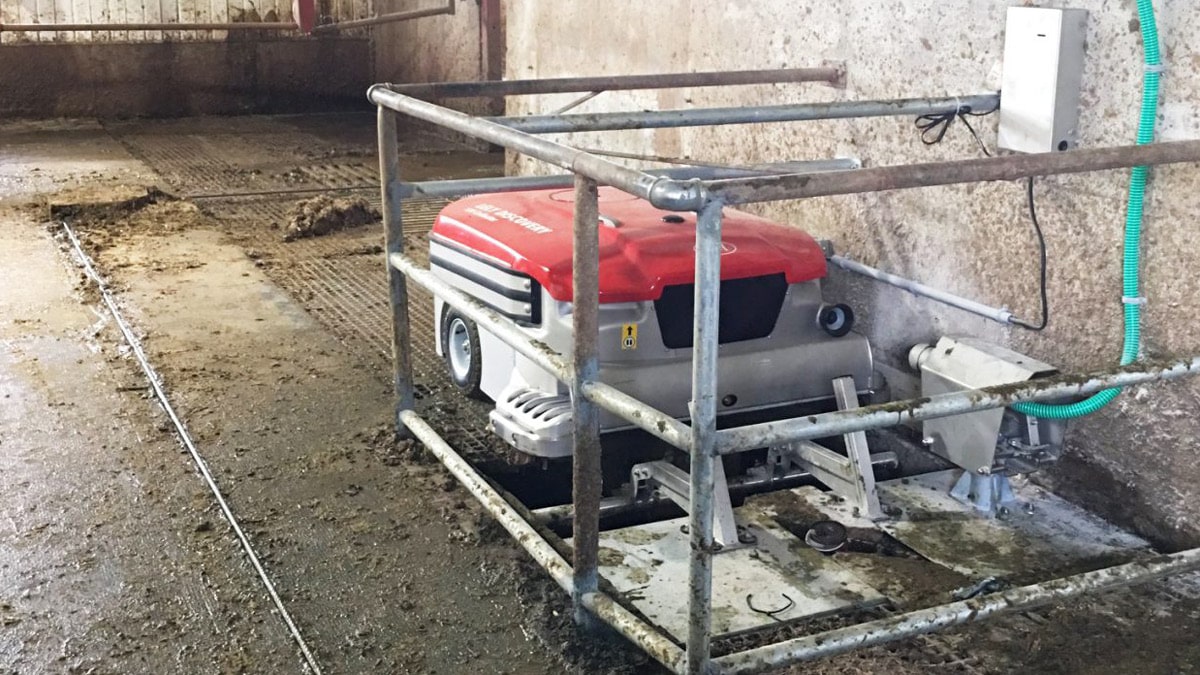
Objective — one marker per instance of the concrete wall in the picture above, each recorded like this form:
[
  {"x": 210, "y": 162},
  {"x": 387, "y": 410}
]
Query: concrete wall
[
  {"x": 182, "y": 78},
  {"x": 101, "y": 12},
  {"x": 434, "y": 49},
  {"x": 1136, "y": 461}
]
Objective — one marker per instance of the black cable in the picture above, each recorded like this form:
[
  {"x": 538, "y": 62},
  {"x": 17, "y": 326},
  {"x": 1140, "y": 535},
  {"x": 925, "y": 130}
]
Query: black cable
[
  {"x": 933, "y": 130},
  {"x": 934, "y": 127},
  {"x": 770, "y": 612},
  {"x": 1037, "y": 228}
]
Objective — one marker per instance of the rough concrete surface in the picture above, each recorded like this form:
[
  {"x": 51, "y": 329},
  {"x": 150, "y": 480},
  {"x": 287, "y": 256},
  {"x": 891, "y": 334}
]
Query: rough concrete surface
[
  {"x": 109, "y": 555},
  {"x": 170, "y": 79},
  {"x": 974, "y": 240},
  {"x": 115, "y": 559}
]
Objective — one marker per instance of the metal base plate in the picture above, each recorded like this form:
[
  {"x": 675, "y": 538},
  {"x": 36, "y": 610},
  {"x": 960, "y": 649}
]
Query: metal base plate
[
  {"x": 1043, "y": 537},
  {"x": 648, "y": 565}
]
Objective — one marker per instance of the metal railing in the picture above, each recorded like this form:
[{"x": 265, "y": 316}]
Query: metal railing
[
  {"x": 700, "y": 439},
  {"x": 830, "y": 74}
]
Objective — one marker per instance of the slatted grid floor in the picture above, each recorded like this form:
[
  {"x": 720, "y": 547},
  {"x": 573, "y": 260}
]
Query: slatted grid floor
[{"x": 339, "y": 278}]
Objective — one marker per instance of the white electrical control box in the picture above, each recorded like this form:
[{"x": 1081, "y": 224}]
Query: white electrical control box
[{"x": 1043, "y": 69}]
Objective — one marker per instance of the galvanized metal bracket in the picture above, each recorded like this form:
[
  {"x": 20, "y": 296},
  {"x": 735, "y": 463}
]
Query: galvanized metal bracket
[
  {"x": 851, "y": 476},
  {"x": 673, "y": 483},
  {"x": 988, "y": 493}
]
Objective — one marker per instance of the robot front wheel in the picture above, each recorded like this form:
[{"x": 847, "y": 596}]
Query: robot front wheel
[{"x": 460, "y": 348}]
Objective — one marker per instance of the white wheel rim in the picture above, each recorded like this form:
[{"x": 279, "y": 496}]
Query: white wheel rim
[{"x": 458, "y": 344}]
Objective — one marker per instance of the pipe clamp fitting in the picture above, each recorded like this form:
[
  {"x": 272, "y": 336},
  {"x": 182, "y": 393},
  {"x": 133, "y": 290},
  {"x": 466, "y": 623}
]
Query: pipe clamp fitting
[{"x": 1133, "y": 301}]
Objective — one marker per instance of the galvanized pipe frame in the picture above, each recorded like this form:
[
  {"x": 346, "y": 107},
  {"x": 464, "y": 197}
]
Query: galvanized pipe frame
[
  {"x": 664, "y": 193},
  {"x": 543, "y": 553},
  {"x": 703, "y": 408},
  {"x": 473, "y": 186},
  {"x": 707, "y": 199},
  {"x": 393, "y": 241},
  {"x": 792, "y": 112},
  {"x": 922, "y": 621},
  {"x": 895, "y": 413},
  {"x": 954, "y": 172},
  {"x": 586, "y": 472},
  {"x": 831, "y": 74}
]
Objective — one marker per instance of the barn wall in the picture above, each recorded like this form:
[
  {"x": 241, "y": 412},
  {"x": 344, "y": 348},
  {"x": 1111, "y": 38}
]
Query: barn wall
[
  {"x": 100, "y": 12},
  {"x": 168, "y": 73},
  {"x": 1136, "y": 461},
  {"x": 447, "y": 48}
]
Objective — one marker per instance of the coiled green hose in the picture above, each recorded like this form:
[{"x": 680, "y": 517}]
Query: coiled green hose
[{"x": 1133, "y": 231}]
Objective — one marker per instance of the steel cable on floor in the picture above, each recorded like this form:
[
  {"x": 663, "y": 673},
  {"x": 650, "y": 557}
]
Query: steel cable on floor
[{"x": 185, "y": 438}]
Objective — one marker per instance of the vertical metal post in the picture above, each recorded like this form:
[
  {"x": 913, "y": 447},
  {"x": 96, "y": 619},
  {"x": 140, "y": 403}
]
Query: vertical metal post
[
  {"x": 704, "y": 434},
  {"x": 491, "y": 48},
  {"x": 585, "y": 321},
  {"x": 389, "y": 174}
]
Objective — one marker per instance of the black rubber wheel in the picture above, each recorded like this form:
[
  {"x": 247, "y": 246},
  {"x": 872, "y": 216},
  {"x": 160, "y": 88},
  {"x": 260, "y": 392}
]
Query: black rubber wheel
[{"x": 460, "y": 348}]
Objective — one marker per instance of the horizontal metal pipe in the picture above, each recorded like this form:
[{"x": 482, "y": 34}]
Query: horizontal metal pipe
[
  {"x": 1010, "y": 167},
  {"x": 933, "y": 619},
  {"x": 639, "y": 414},
  {"x": 471, "y": 186},
  {"x": 664, "y": 193},
  {"x": 635, "y": 629},
  {"x": 944, "y": 405},
  {"x": 475, "y": 186},
  {"x": 702, "y": 117},
  {"x": 136, "y": 27},
  {"x": 566, "y": 85},
  {"x": 487, "y": 318},
  {"x": 635, "y": 412},
  {"x": 561, "y": 515},
  {"x": 556, "y": 516},
  {"x": 493, "y": 502},
  {"x": 997, "y": 314},
  {"x": 385, "y": 18},
  {"x": 622, "y": 620}
]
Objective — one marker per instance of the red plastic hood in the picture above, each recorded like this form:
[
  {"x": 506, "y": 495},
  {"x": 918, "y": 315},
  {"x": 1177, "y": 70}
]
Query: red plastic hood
[{"x": 640, "y": 253}]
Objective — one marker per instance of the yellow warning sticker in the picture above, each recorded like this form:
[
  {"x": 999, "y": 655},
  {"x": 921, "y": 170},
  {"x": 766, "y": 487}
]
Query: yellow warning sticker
[{"x": 629, "y": 336}]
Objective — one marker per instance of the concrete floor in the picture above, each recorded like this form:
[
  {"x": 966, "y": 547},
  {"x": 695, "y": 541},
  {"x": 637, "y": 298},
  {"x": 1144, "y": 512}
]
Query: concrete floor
[
  {"x": 112, "y": 555},
  {"x": 109, "y": 555}
]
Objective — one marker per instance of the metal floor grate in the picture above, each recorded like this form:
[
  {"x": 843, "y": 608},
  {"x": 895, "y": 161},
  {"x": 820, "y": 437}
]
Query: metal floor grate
[
  {"x": 343, "y": 175},
  {"x": 340, "y": 278}
]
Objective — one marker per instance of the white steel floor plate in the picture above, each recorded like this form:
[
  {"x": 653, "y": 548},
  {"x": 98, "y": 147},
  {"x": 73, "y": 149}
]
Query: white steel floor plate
[
  {"x": 648, "y": 565},
  {"x": 1054, "y": 538}
]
